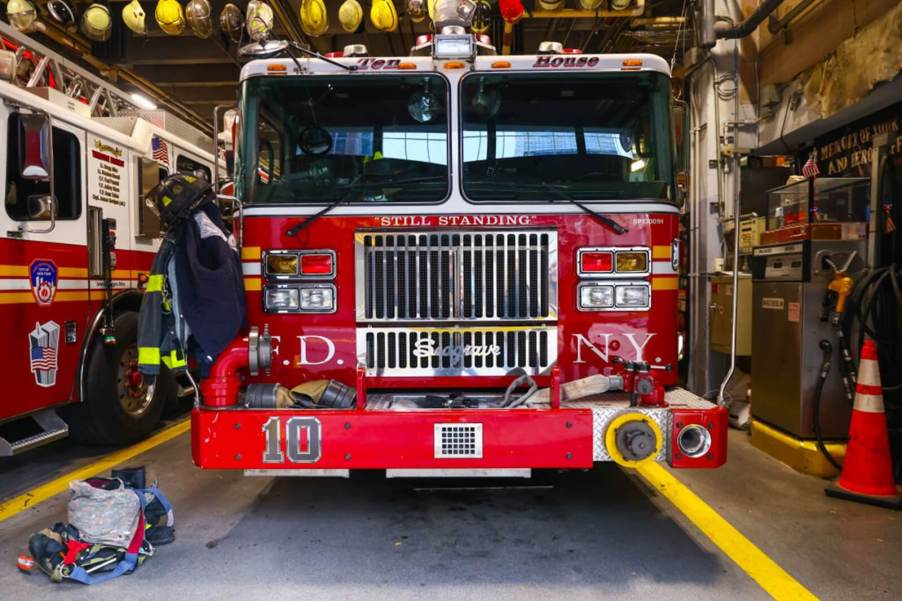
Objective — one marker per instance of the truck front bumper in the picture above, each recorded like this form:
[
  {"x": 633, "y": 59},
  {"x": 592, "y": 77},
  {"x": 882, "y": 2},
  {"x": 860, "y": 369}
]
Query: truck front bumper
[{"x": 575, "y": 436}]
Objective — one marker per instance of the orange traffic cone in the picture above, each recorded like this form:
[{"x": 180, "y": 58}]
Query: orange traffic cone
[{"x": 867, "y": 473}]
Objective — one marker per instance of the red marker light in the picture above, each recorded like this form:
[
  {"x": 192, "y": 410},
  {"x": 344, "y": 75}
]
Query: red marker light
[
  {"x": 596, "y": 262},
  {"x": 317, "y": 264}
]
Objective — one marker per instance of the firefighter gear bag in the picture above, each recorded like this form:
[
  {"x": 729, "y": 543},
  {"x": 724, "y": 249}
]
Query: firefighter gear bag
[{"x": 112, "y": 530}]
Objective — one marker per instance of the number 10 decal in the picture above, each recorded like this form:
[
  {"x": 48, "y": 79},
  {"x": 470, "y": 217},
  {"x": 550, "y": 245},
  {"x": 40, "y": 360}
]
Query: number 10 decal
[{"x": 303, "y": 440}]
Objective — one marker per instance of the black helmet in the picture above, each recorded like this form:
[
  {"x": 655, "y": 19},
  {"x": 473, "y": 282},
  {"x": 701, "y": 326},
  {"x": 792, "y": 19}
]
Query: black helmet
[
  {"x": 482, "y": 16},
  {"x": 177, "y": 196}
]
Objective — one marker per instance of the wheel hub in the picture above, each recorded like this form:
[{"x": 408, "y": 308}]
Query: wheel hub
[{"x": 130, "y": 384}]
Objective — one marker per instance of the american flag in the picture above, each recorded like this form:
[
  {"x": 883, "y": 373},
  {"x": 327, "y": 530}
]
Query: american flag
[
  {"x": 809, "y": 169},
  {"x": 43, "y": 357},
  {"x": 160, "y": 150}
]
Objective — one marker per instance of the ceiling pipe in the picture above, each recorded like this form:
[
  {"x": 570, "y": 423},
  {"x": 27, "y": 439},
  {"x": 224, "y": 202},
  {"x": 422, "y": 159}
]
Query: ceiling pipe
[{"x": 748, "y": 25}]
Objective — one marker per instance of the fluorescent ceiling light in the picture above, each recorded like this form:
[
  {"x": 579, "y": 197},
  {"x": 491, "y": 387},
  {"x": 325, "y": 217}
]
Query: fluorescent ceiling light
[{"x": 143, "y": 102}]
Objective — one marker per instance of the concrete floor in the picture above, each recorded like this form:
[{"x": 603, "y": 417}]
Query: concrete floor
[{"x": 601, "y": 534}]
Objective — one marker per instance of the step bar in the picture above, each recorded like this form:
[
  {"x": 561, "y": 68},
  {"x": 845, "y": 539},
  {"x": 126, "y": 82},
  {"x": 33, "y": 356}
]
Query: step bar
[{"x": 53, "y": 428}]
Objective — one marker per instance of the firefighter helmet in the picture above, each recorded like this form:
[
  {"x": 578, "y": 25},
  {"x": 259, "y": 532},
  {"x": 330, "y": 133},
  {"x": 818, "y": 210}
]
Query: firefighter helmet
[
  {"x": 511, "y": 10},
  {"x": 590, "y": 4},
  {"x": 170, "y": 17},
  {"x": 417, "y": 10},
  {"x": 133, "y": 17},
  {"x": 551, "y": 4},
  {"x": 482, "y": 16},
  {"x": 179, "y": 195},
  {"x": 313, "y": 17},
  {"x": 22, "y": 15},
  {"x": 259, "y": 20},
  {"x": 384, "y": 16},
  {"x": 61, "y": 12},
  {"x": 200, "y": 18},
  {"x": 350, "y": 15},
  {"x": 231, "y": 21},
  {"x": 96, "y": 23}
]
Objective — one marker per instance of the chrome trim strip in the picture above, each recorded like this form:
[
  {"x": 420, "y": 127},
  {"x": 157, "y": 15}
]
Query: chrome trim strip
[{"x": 498, "y": 350}]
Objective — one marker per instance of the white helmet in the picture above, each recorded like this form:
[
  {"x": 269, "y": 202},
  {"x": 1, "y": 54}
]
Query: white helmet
[
  {"x": 259, "y": 20},
  {"x": 133, "y": 16},
  {"x": 22, "y": 15},
  {"x": 96, "y": 22}
]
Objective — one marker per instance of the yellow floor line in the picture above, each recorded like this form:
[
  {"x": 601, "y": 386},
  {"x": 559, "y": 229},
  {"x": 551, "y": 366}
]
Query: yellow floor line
[
  {"x": 752, "y": 560},
  {"x": 50, "y": 489}
]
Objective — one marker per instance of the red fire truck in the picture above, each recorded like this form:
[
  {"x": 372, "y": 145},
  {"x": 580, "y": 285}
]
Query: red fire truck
[
  {"x": 75, "y": 243},
  {"x": 481, "y": 250}
]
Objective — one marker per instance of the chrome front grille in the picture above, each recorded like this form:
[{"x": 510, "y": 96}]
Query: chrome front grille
[
  {"x": 484, "y": 351},
  {"x": 442, "y": 276}
]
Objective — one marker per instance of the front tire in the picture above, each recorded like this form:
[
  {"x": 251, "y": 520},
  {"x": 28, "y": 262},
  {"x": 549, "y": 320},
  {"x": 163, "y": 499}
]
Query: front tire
[{"x": 115, "y": 410}]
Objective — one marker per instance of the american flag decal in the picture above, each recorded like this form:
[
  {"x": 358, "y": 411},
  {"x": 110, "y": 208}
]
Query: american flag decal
[
  {"x": 43, "y": 345},
  {"x": 160, "y": 150}
]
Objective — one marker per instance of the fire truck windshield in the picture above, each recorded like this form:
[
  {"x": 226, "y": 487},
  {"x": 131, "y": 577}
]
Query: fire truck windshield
[
  {"x": 594, "y": 136},
  {"x": 324, "y": 140}
]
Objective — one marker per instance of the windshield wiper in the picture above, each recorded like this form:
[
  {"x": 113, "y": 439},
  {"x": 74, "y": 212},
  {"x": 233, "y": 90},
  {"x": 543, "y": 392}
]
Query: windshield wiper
[
  {"x": 619, "y": 229},
  {"x": 349, "y": 189},
  {"x": 540, "y": 183}
]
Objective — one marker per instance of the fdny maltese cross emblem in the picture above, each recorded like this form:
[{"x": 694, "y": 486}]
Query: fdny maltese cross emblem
[{"x": 44, "y": 278}]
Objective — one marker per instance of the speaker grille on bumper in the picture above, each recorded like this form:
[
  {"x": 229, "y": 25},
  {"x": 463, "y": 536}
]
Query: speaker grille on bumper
[
  {"x": 442, "y": 276},
  {"x": 458, "y": 441}
]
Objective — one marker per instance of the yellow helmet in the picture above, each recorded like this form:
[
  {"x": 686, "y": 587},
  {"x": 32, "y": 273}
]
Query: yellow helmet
[
  {"x": 313, "y": 16},
  {"x": 200, "y": 18},
  {"x": 133, "y": 17},
  {"x": 259, "y": 20},
  {"x": 350, "y": 14},
  {"x": 590, "y": 4},
  {"x": 417, "y": 10},
  {"x": 96, "y": 22},
  {"x": 231, "y": 21},
  {"x": 551, "y": 4},
  {"x": 22, "y": 15},
  {"x": 383, "y": 15},
  {"x": 170, "y": 17}
]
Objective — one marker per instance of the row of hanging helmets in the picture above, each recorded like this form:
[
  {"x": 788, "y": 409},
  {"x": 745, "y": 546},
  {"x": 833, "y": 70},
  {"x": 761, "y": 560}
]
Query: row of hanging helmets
[
  {"x": 96, "y": 19},
  {"x": 383, "y": 14}
]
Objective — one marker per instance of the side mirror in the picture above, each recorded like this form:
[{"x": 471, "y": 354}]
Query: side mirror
[
  {"x": 35, "y": 151},
  {"x": 41, "y": 207}
]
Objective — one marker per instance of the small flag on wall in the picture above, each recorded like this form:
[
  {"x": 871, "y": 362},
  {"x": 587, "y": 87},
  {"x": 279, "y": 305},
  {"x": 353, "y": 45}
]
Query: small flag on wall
[{"x": 160, "y": 150}]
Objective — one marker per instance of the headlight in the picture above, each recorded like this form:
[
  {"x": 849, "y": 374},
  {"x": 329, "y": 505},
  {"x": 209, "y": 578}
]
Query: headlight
[
  {"x": 632, "y": 261},
  {"x": 632, "y": 296},
  {"x": 281, "y": 299},
  {"x": 318, "y": 299},
  {"x": 595, "y": 296}
]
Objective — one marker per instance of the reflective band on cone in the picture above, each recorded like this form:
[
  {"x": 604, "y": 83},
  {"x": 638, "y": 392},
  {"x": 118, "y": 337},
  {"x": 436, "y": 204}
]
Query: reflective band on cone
[{"x": 867, "y": 473}]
